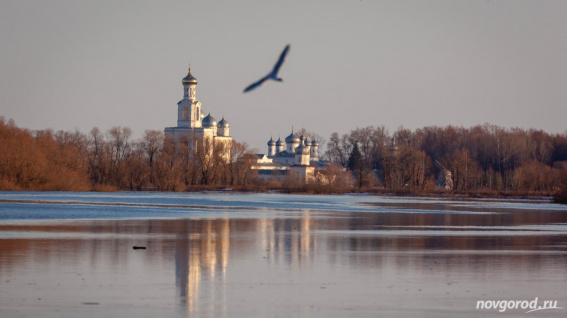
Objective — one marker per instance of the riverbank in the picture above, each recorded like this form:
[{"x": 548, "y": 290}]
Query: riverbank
[{"x": 318, "y": 189}]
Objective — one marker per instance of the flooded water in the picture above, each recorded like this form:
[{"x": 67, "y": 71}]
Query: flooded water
[{"x": 275, "y": 255}]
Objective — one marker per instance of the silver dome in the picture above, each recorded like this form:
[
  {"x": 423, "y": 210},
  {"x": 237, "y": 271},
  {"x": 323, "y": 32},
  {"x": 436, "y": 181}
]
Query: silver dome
[
  {"x": 292, "y": 138},
  {"x": 223, "y": 123},
  {"x": 189, "y": 79},
  {"x": 302, "y": 149},
  {"x": 209, "y": 121}
]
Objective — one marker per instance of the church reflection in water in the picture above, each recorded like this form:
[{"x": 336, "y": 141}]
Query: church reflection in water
[
  {"x": 287, "y": 240},
  {"x": 203, "y": 249},
  {"x": 201, "y": 256}
]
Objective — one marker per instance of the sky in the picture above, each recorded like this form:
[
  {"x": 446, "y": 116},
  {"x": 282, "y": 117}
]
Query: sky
[{"x": 69, "y": 65}]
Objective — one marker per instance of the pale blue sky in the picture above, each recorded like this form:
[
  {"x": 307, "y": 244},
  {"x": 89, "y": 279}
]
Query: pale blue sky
[{"x": 80, "y": 64}]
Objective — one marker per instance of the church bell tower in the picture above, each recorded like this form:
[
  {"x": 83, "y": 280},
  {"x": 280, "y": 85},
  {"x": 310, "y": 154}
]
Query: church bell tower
[{"x": 189, "y": 113}]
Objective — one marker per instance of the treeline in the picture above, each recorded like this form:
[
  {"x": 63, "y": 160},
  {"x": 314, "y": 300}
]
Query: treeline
[
  {"x": 97, "y": 161},
  {"x": 481, "y": 158}
]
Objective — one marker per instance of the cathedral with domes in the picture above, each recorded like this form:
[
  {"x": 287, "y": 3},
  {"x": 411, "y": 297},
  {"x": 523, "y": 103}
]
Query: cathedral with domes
[
  {"x": 296, "y": 150},
  {"x": 191, "y": 120},
  {"x": 295, "y": 156}
]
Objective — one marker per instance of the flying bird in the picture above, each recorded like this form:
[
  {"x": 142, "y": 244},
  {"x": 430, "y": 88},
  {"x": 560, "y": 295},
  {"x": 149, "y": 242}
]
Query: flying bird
[{"x": 273, "y": 74}]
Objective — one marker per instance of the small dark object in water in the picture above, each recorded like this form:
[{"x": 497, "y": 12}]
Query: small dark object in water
[{"x": 139, "y": 247}]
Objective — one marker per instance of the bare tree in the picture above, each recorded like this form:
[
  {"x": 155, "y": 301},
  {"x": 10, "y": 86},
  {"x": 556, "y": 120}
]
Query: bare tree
[
  {"x": 336, "y": 150},
  {"x": 464, "y": 169},
  {"x": 152, "y": 145},
  {"x": 98, "y": 165}
]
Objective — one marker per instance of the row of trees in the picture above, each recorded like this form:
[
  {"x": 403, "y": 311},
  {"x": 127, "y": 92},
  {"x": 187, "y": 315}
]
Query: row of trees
[
  {"x": 484, "y": 157},
  {"x": 47, "y": 160}
]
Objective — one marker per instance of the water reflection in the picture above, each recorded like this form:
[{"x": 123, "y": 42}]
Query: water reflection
[
  {"x": 307, "y": 263},
  {"x": 287, "y": 241},
  {"x": 201, "y": 255}
]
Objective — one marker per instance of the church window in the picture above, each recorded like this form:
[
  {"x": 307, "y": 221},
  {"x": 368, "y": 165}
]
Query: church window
[{"x": 185, "y": 113}]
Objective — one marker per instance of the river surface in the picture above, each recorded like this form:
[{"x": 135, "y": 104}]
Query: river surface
[{"x": 68, "y": 254}]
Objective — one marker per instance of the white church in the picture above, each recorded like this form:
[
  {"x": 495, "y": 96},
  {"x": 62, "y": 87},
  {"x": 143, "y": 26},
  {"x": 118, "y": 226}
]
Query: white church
[
  {"x": 296, "y": 157},
  {"x": 191, "y": 120}
]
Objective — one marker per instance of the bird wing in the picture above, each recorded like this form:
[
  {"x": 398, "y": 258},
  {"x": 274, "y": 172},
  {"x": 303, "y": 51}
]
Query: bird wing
[
  {"x": 256, "y": 84},
  {"x": 273, "y": 74},
  {"x": 280, "y": 60}
]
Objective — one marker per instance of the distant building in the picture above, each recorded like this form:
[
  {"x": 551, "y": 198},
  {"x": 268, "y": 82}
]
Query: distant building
[
  {"x": 445, "y": 177},
  {"x": 296, "y": 157},
  {"x": 192, "y": 124}
]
